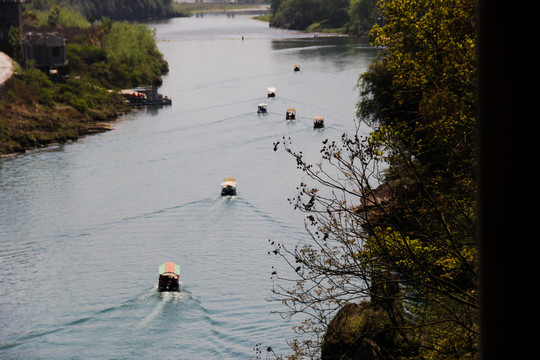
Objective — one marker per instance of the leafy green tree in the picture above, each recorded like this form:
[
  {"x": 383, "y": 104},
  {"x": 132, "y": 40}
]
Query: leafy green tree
[
  {"x": 398, "y": 206},
  {"x": 363, "y": 14},
  {"x": 132, "y": 48},
  {"x": 114, "y": 9},
  {"x": 430, "y": 56},
  {"x": 274, "y": 6},
  {"x": 336, "y": 12},
  {"x": 14, "y": 41},
  {"x": 295, "y": 14},
  {"x": 357, "y": 16},
  {"x": 53, "y": 18}
]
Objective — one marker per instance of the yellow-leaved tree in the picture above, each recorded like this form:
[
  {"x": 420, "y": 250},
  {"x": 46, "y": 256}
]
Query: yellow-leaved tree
[{"x": 391, "y": 268}]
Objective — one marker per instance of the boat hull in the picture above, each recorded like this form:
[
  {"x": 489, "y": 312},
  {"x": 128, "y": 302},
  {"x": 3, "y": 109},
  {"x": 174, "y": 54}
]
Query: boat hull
[
  {"x": 228, "y": 190},
  {"x": 168, "y": 283}
]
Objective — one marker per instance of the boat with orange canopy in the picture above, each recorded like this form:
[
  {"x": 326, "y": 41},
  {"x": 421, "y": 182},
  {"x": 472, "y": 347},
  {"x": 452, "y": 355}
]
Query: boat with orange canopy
[{"x": 169, "y": 274}]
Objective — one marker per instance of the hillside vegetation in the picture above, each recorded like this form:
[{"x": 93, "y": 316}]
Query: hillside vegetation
[
  {"x": 344, "y": 16},
  {"x": 112, "y": 9},
  {"x": 37, "y": 109}
]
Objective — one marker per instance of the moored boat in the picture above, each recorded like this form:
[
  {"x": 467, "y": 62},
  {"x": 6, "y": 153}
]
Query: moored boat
[
  {"x": 228, "y": 187},
  {"x": 169, "y": 274},
  {"x": 271, "y": 92},
  {"x": 261, "y": 109},
  {"x": 296, "y": 67},
  {"x": 145, "y": 96}
]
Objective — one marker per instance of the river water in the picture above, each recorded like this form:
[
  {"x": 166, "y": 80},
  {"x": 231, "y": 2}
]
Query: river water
[{"x": 84, "y": 226}]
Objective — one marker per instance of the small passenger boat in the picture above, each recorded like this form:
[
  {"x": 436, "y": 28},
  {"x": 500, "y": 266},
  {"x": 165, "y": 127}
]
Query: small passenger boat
[
  {"x": 261, "y": 109},
  {"x": 318, "y": 122},
  {"x": 271, "y": 92},
  {"x": 290, "y": 114},
  {"x": 296, "y": 67},
  {"x": 169, "y": 274},
  {"x": 228, "y": 186}
]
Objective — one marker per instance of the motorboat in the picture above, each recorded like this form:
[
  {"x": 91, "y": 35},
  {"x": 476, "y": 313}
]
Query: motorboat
[
  {"x": 271, "y": 92},
  {"x": 261, "y": 109},
  {"x": 228, "y": 186},
  {"x": 290, "y": 114},
  {"x": 318, "y": 122},
  {"x": 169, "y": 274},
  {"x": 296, "y": 67}
]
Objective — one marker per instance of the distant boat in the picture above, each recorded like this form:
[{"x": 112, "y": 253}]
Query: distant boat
[
  {"x": 290, "y": 114},
  {"x": 296, "y": 67},
  {"x": 169, "y": 274},
  {"x": 271, "y": 92},
  {"x": 228, "y": 186},
  {"x": 318, "y": 122},
  {"x": 261, "y": 109},
  {"x": 145, "y": 96}
]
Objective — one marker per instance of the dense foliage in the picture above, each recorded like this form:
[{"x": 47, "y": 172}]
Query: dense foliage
[
  {"x": 352, "y": 16},
  {"x": 392, "y": 214},
  {"x": 117, "y": 55},
  {"x": 113, "y": 9}
]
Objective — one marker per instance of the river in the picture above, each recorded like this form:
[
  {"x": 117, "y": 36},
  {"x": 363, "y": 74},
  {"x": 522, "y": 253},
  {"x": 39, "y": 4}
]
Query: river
[{"x": 84, "y": 226}]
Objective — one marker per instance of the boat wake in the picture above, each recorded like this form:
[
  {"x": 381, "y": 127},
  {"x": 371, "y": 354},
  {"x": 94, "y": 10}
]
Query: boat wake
[{"x": 164, "y": 300}]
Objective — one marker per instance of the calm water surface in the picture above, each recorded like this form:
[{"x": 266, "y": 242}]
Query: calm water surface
[{"x": 84, "y": 226}]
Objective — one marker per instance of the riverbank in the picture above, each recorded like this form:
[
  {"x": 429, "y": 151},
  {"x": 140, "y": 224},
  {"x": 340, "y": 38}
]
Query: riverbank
[
  {"x": 38, "y": 108},
  {"x": 187, "y": 9},
  {"x": 26, "y": 124}
]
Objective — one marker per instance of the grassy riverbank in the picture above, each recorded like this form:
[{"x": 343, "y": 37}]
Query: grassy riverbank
[
  {"x": 37, "y": 112},
  {"x": 37, "y": 109}
]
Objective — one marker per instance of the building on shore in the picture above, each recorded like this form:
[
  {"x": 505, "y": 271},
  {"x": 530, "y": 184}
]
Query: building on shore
[{"x": 46, "y": 50}]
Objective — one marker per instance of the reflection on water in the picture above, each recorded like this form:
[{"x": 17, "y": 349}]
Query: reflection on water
[
  {"x": 334, "y": 53},
  {"x": 84, "y": 226}
]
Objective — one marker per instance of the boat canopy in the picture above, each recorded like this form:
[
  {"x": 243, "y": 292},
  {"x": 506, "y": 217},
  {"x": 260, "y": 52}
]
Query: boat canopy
[
  {"x": 144, "y": 89},
  {"x": 291, "y": 110},
  {"x": 230, "y": 181},
  {"x": 132, "y": 92},
  {"x": 271, "y": 89},
  {"x": 318, "y": 122},
  {"x": 262, "y": 105},
  {"x": 169, "y": 268}
]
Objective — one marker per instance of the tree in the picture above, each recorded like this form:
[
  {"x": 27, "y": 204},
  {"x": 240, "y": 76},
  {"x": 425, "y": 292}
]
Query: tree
[
  {"x": 397, "y": 208},
  {"x": 431, "y": 60},
  {"x": 53, "y": 18},
  {"x": 14, "y": 41},
  {"x": 274, "y": 6},
  {"x": 336, "y": 12},
  {"x": 295, "y": 14},
  {"x": 363, "y": 15}
]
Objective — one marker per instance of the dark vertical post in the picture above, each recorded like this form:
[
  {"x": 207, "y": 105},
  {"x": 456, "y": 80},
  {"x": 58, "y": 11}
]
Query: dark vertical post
[{"x": 508, "y": 198}]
